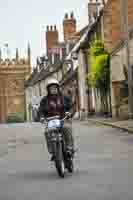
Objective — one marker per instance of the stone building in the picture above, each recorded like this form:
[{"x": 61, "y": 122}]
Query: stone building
[
  {"x": 13, "y": 74},
  {"x": 75, "y": 79},
  {"x": 111, "y": 29},
  {"x": 35, "y": 87},
  {"x": 114, "y": 37},
  {"x": 87, "y": 103},
  {"x": 69, "y": 85},
  {"x": 112, "y": 16},
  {"x": 119, "y": 77}
]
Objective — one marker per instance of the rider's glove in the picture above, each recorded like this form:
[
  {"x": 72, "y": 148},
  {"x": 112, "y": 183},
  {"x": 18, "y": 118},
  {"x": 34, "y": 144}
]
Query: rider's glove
[
  {"x": 42, "y": 120},
  {"x": 68, "y": 114}
]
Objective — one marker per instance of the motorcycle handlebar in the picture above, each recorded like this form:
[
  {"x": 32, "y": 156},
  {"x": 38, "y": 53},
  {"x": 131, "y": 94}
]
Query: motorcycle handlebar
[{"x": 68, "y": 115}]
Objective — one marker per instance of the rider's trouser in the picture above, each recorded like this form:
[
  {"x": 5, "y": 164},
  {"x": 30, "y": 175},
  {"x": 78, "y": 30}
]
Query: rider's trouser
[{"x": 67, "y": 132}]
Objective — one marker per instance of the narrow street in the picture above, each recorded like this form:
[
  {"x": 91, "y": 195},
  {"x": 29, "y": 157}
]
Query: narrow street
[{"x": 103, "y": 165}]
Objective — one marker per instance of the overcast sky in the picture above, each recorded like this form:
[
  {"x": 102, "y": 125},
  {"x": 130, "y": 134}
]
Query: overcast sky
[{"x": 25, "y": 20}]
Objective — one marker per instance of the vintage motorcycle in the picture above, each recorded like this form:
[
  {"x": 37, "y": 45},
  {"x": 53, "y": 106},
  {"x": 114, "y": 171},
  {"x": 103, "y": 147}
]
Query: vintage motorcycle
[{"x": 62, "y": 160}]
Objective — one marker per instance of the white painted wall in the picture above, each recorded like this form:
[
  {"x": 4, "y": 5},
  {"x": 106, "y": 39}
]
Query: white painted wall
[
  {"x": 117, "y": 62},
  {"x": 82, "y": 82},
  {"x": 28, "y": 96},
  {"x": 117, "y": 74}
]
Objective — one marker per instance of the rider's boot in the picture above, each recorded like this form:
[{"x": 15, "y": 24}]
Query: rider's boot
[
  {"x": 52, "y": 158},
  {"x": 70, "y": 151}
]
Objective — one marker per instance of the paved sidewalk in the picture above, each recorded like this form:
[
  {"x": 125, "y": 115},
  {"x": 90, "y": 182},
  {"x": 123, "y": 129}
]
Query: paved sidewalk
[{"x": 124, "y": 125}]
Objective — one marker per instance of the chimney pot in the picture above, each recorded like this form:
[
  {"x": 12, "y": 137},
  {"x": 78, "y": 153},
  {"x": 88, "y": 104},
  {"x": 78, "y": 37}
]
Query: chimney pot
[
  {"x": 72, "y": 15},
  {"x": 69, "y": 26},
  {"x": 51, "y": 27},
  {"x": 66, "y": 16}
]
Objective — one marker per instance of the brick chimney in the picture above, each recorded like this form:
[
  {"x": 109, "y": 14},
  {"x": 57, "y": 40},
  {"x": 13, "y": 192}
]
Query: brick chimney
[
  {"x": 69, "y": 26},
  {"x": 93, "y": 10},
  {"x": 52, "y": 37}
]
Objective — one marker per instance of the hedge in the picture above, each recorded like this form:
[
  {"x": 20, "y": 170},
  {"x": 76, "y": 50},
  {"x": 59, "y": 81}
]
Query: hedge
[{"x": 15, "y": 118}]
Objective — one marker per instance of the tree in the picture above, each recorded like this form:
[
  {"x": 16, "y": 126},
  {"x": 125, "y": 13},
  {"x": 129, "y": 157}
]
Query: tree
[{"x": 99, "y": 76}]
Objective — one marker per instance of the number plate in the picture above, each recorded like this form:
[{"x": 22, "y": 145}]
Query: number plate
[{"x": 54, "y": 124}]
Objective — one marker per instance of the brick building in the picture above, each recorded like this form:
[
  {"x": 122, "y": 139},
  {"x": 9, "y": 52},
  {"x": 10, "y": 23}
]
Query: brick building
[
  {"x": 113, "y": 34},
  {"x": 69, "y": 27},
  {"x": 52, "y": 39},
  {"x": 112, "y": 16},
  {"x": 57, "y": 50}
]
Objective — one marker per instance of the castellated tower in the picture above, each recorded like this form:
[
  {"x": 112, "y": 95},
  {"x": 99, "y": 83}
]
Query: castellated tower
[
  {"x": 52, "y": 38},
  {"x": 13, "y": 73},
  {"x": 69, "y": 26}
]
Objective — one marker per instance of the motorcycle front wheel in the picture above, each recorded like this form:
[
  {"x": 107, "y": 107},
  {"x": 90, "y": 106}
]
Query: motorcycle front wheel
[{"x": 59, "y": 161}]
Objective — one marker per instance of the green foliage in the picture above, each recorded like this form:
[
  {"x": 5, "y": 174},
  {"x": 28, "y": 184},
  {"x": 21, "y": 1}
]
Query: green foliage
[
  {"x": 65, "y": 68},
  {"x": 15, "y": 118},
  {"x": 99, "y": 76},
  {"x": 97, "y": 48}
]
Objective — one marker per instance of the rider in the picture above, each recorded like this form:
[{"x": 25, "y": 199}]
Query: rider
[{"x": 55, "y": 103}]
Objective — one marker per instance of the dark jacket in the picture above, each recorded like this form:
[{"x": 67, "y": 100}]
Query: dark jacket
[{"x": 44, "y": 105}]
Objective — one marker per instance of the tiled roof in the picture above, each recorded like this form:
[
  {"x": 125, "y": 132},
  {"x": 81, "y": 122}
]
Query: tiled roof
[
  {"x": 86, "y": 32},
  {"x": 43, "y": 74},
  {"x": 30, "y": 80}
]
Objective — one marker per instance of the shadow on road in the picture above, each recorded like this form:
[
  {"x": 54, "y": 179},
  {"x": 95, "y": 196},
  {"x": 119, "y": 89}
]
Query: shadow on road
[
  {"x": 34, "y": 175},
  {"x": 37, "y": 176},
  {"x": 50, "y": 175}
]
